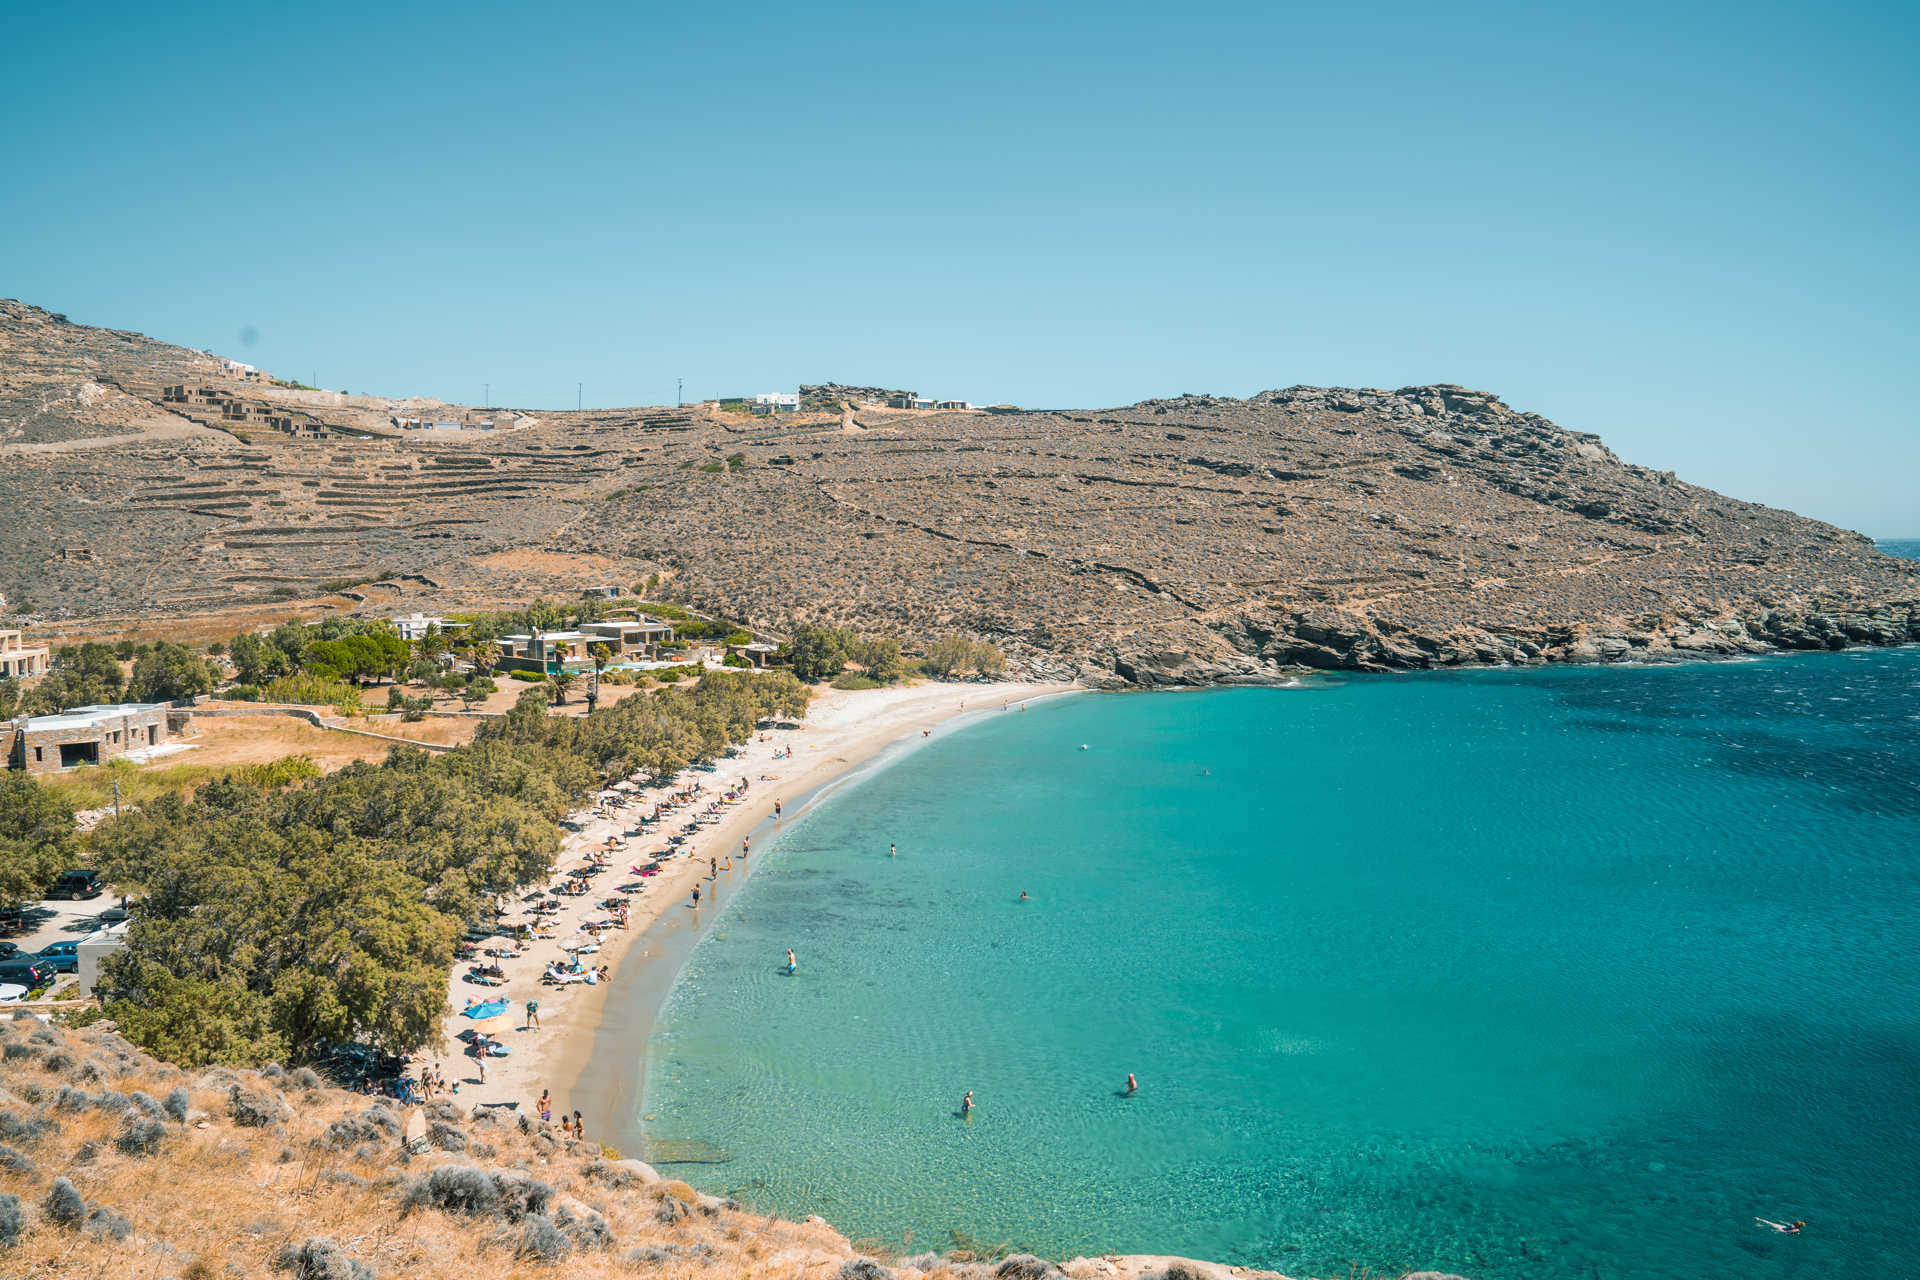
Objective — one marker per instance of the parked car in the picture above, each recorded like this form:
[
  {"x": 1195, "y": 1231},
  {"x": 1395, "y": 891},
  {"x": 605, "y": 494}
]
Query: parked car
[
  {"x": 8, "y": 950},
  {"x": 28, "y": 971},
  {"x": 77, "y": 884},
  {"x": 112, "y": 915},
  {"x": 63, "y": 956}
]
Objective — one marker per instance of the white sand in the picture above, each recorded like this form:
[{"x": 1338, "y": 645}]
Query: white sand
[{"x": 841, "y": 729}]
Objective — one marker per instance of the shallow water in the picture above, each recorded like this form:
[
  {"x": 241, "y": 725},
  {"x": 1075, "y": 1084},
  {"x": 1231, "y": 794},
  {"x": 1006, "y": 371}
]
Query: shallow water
[{"x": 1562, "y": 973}]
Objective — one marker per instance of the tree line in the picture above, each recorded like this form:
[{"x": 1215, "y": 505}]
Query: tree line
[
  {"x": 276, "y": 922},
  {"x": 87, "y": 674}
]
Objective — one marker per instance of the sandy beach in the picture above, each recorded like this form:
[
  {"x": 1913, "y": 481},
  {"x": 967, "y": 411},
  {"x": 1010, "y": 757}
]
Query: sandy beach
[{"x": 841, "y": 730}]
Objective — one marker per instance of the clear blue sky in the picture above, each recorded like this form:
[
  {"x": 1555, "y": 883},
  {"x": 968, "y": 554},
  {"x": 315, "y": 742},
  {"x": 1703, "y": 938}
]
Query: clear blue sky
[{"x": 1690, "y": 228}]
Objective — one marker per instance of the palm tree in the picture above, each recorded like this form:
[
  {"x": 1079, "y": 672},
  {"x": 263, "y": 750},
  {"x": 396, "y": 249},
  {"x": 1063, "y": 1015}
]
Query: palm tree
[{"x": 561, "y": 680}]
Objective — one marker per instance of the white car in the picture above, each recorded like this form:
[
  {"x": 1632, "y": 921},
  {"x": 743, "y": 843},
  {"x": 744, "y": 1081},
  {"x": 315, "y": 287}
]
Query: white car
[{"x": 10, "y": 992}]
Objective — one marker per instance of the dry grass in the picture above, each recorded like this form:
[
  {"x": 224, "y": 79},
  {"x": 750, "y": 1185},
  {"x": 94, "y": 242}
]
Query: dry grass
[{"x": 218, "y": 1199}]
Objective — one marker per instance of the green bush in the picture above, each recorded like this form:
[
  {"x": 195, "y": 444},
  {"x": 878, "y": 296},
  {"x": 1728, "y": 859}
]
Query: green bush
[
  {"x": 314, "y": 691},
  {"x": 854, "y": 680}
]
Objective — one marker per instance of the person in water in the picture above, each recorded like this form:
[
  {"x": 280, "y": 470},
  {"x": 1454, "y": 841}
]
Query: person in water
[
  {"x": 1133, "y": 1086},
  {"x": 1023, "y": 895},
  {"x": 776, "y": 808},
  {"x": 696, "y": 895},
  {"x": 793, "y": 966},
  {"x": 1784, "y": 1228},
  {"x": 966, "y": 1104},
  {"x": 893, "y": 851}
]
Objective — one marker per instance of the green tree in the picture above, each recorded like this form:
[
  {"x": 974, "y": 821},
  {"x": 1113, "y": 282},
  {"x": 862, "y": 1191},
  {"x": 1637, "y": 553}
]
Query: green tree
[
  {"x": 169, "y": 672},
  {"x": 477, "y": 689},
  {"x": 881, "y": 657},
  {"x": 36, "y": 837},
  {"x": 818, "y": 653},
  {"x": 83, "y": 675},
  {"x": 9, "y": 698},
  {"x": 562, "y": 682},
  {"x": 256, "y": 659}
]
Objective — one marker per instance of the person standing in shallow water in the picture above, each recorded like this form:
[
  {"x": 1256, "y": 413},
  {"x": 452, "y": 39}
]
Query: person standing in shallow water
[
  {"x": 1133, "y": 1086},
  {"x": 966, "y": 1105},
  {"x": 793, "y": 966},
  {"x": 696, "y": 896}
]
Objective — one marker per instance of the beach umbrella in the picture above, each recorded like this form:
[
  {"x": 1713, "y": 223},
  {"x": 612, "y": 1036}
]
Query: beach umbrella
[{"x": 486, "y": 1009}]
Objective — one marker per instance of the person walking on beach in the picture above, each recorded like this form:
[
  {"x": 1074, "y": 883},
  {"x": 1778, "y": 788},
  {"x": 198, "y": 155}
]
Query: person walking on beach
[
  {"x": 793, "y": 966},
  {"x": 714, "y": 863},
  {"x": 533, "y": 1015}
]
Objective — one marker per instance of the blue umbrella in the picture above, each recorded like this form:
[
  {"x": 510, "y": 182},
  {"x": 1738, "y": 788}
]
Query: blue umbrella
[{"x": 481, "y": 1012}]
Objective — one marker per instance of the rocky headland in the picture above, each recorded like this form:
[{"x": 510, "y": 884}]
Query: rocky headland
[{"x": 1191, "y": 540}]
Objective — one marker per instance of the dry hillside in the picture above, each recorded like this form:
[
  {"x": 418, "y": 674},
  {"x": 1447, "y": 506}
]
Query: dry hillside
[{"x": 1185, "y": 540}]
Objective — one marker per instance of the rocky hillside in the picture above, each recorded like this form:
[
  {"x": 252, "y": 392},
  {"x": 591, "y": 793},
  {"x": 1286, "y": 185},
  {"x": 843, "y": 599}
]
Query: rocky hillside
[
  {"x": 112, "y": 1164},
  {"x": 1188, "y": 540}
]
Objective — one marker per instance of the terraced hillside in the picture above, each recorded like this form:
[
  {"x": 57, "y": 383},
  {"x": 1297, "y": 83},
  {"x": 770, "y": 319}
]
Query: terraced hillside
[{"x": 1184, "y": 540}]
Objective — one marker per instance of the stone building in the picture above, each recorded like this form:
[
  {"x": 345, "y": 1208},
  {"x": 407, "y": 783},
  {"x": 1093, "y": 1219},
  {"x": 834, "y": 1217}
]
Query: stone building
[
  {"x": 18, "y": 659},
  {"x": 84, "y": 735}
]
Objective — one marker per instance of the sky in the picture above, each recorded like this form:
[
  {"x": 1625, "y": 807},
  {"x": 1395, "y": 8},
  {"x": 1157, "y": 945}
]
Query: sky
[{"x": 1690, "y": 228}]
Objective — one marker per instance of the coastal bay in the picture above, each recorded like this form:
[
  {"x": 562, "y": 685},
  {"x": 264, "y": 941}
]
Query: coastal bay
[{"x": 1511, "y": 973}]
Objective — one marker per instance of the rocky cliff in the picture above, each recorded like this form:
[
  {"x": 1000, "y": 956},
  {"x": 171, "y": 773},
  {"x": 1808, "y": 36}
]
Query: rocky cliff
[{"x": 1178, "y": 541}]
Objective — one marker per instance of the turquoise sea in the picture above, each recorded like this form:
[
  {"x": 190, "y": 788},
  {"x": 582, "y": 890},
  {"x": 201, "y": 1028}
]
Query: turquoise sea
[{"x": 1546, "y": 973}]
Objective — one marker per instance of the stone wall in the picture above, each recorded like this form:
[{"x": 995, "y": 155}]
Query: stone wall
[{"x": 39, "y": 750}]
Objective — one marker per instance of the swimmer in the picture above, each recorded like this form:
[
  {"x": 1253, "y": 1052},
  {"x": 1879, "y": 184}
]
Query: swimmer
[
  {"x": 966, "y": 1104},
  {"x": 926, "y": 733},
  {"x": 793, "y": 966},
  {"x": 1023, "y": 895},
  {"x": 1784, "y": 1228},
  {"x": 1133, "y": 1086},
  {"x": 893, "y": 851}
]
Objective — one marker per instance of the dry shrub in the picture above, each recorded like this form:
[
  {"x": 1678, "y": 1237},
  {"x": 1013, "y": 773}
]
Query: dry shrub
[
  {"x": 319, "y": 1258},
  {"x": 63, "y": 1205},
  {"x": 13, "y": 1220},
  {"x": 255, "y": 1109}
]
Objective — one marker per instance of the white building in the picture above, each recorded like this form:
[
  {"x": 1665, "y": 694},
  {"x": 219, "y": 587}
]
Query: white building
[
  {"x": 777, "y": 402},
  {"x": 414, "y": 626}
]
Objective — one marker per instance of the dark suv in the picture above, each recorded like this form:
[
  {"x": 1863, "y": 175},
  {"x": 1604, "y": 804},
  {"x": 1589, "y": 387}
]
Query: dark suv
[
  {"x": 28, "y": 971},
  {"x": 77, "y": 884}
]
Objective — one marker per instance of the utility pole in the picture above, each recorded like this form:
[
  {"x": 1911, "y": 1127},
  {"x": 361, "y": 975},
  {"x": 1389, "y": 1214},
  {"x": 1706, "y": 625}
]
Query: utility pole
[
  {"x": 679, "y": 393},
  {"x": 576, "y": 397}
]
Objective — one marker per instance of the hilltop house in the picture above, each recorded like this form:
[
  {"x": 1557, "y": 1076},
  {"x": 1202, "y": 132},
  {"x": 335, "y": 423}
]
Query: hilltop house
[
  {"x": 84, "y": 735},
  {"x": 18, "y": 659},
  {"x": 776, "y": 402}
]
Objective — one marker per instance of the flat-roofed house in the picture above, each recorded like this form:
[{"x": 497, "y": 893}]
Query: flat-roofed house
[
  {"x": 547, "y": 652},
  {"x": 18, "y": 659},
  {"x": 630, "y": 638},
  {"x": 84, "y": 735},
  {"x": 416, "y": 625}
]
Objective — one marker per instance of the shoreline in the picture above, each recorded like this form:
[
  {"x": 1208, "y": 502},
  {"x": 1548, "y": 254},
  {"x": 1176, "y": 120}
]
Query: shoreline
[{"x": 581, "y": 1025}]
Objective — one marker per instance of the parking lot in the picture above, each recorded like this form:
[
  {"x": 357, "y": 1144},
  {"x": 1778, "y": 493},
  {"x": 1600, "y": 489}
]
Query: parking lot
[{"x": 59, "y": 921}]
